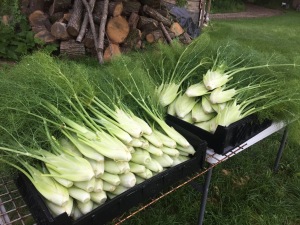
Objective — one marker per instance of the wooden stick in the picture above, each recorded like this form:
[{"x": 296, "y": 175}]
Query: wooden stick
[
  {"x": 100, "y": 46},
  {"x": 202, "y": 12},
  {"x": 92, "y": 26},
  {"x": 85, "y": 21},
  {"x": 165, "y": 32}
]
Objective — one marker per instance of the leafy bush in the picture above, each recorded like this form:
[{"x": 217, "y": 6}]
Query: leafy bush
[{"x": 17, "y": 39}]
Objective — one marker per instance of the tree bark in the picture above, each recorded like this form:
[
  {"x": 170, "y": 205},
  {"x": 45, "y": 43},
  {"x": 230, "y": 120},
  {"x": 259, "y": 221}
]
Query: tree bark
[
  {"x": 75, "y": 19},
  {"x": 156, "y": 15},
  {"x": 72, "y": 49},
  {"x": 117, "y": 29}
]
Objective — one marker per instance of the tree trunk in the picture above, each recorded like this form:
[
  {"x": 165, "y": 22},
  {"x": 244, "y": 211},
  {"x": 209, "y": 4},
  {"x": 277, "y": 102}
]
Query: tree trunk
[
  {"x": 75, "y": 20},
  {"x": 72, "y": 49},
  {"x": 117, "y": 29}
]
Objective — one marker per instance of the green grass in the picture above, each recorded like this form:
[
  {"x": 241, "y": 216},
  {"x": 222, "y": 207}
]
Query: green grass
[
  {"x": 244, "y": 189},
  {"x": 273, "y": 34}
]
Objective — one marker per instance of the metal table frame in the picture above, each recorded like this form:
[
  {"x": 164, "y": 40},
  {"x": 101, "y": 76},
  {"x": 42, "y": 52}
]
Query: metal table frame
[
  {"x": 13, "y": 210},
  {"x": 214, "y": 159}
]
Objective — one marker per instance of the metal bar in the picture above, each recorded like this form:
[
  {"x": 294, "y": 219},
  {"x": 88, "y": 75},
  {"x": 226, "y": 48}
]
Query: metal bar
[
  {"x": 4, "y": 219},
  {"x": 280, "y": 150},
  {"x": 204, "y": 196}
]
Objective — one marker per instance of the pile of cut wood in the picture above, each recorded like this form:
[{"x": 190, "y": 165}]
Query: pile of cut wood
[{"x": 102, "y": 28}]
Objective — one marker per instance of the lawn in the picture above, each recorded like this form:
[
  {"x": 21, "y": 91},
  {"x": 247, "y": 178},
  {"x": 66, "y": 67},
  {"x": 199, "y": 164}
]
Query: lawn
[{"x": 244, "y": 190}]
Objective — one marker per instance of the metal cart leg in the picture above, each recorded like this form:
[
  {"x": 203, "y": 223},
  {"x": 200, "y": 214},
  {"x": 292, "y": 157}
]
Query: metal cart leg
[
  {"x": 280, "y": 150},
  {"x": 204, "y": 196}
]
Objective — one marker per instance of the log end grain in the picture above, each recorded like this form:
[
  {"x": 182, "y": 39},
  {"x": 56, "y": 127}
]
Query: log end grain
[{"x": 117, "y": 29}]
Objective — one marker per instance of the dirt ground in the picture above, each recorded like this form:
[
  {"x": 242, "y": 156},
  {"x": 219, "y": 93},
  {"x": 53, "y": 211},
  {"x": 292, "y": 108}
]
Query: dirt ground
[{"x": 252, "y": 11}]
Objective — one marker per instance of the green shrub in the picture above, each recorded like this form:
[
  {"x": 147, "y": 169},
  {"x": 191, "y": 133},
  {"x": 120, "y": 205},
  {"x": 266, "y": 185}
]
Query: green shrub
[{"x": 16, "y": 41}]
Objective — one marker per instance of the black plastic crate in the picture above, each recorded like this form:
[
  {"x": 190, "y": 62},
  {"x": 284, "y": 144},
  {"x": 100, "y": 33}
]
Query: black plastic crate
[
  {"x": 113, "y": 208},
  {"x": 225, "y": 139}
]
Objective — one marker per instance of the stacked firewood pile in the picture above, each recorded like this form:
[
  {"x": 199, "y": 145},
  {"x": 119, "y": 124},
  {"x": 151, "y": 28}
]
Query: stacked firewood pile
[{"x": 103, "y": 28}]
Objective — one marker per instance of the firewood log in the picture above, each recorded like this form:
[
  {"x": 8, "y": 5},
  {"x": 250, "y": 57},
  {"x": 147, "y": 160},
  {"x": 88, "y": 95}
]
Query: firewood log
[
  {"x": 88, "y": 40},
  {"x": 155, "y": 36},
  {"x": 133, "y": 39},
  {"x": 45, "y": 36},
  {"x": 156, "y": 15},
  {"x": 74, "y": 23},
  {"x": 185, "y": 38},
  {"x": 36, "y": 5},
  {"x": 148, "y": 28},
  {"x": 67, "y": 17},
  {"x": 115, "y": 8},
  {"x": 72, "y": 49},
  {"x": 56, "y": 17},
  {"x": 130, "y": 7},
  {"x": 39, "y": 21},
  {"x": 117, "y": 29},
  {"x": 111, "y": 51},
  {"x": 176, "y": 29},
  {"x": 59, "y": 31},
  {"x": 145, "y": 21},
  {"x": 133, "y": 20},
  {"x": 59, "y": 6}
]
